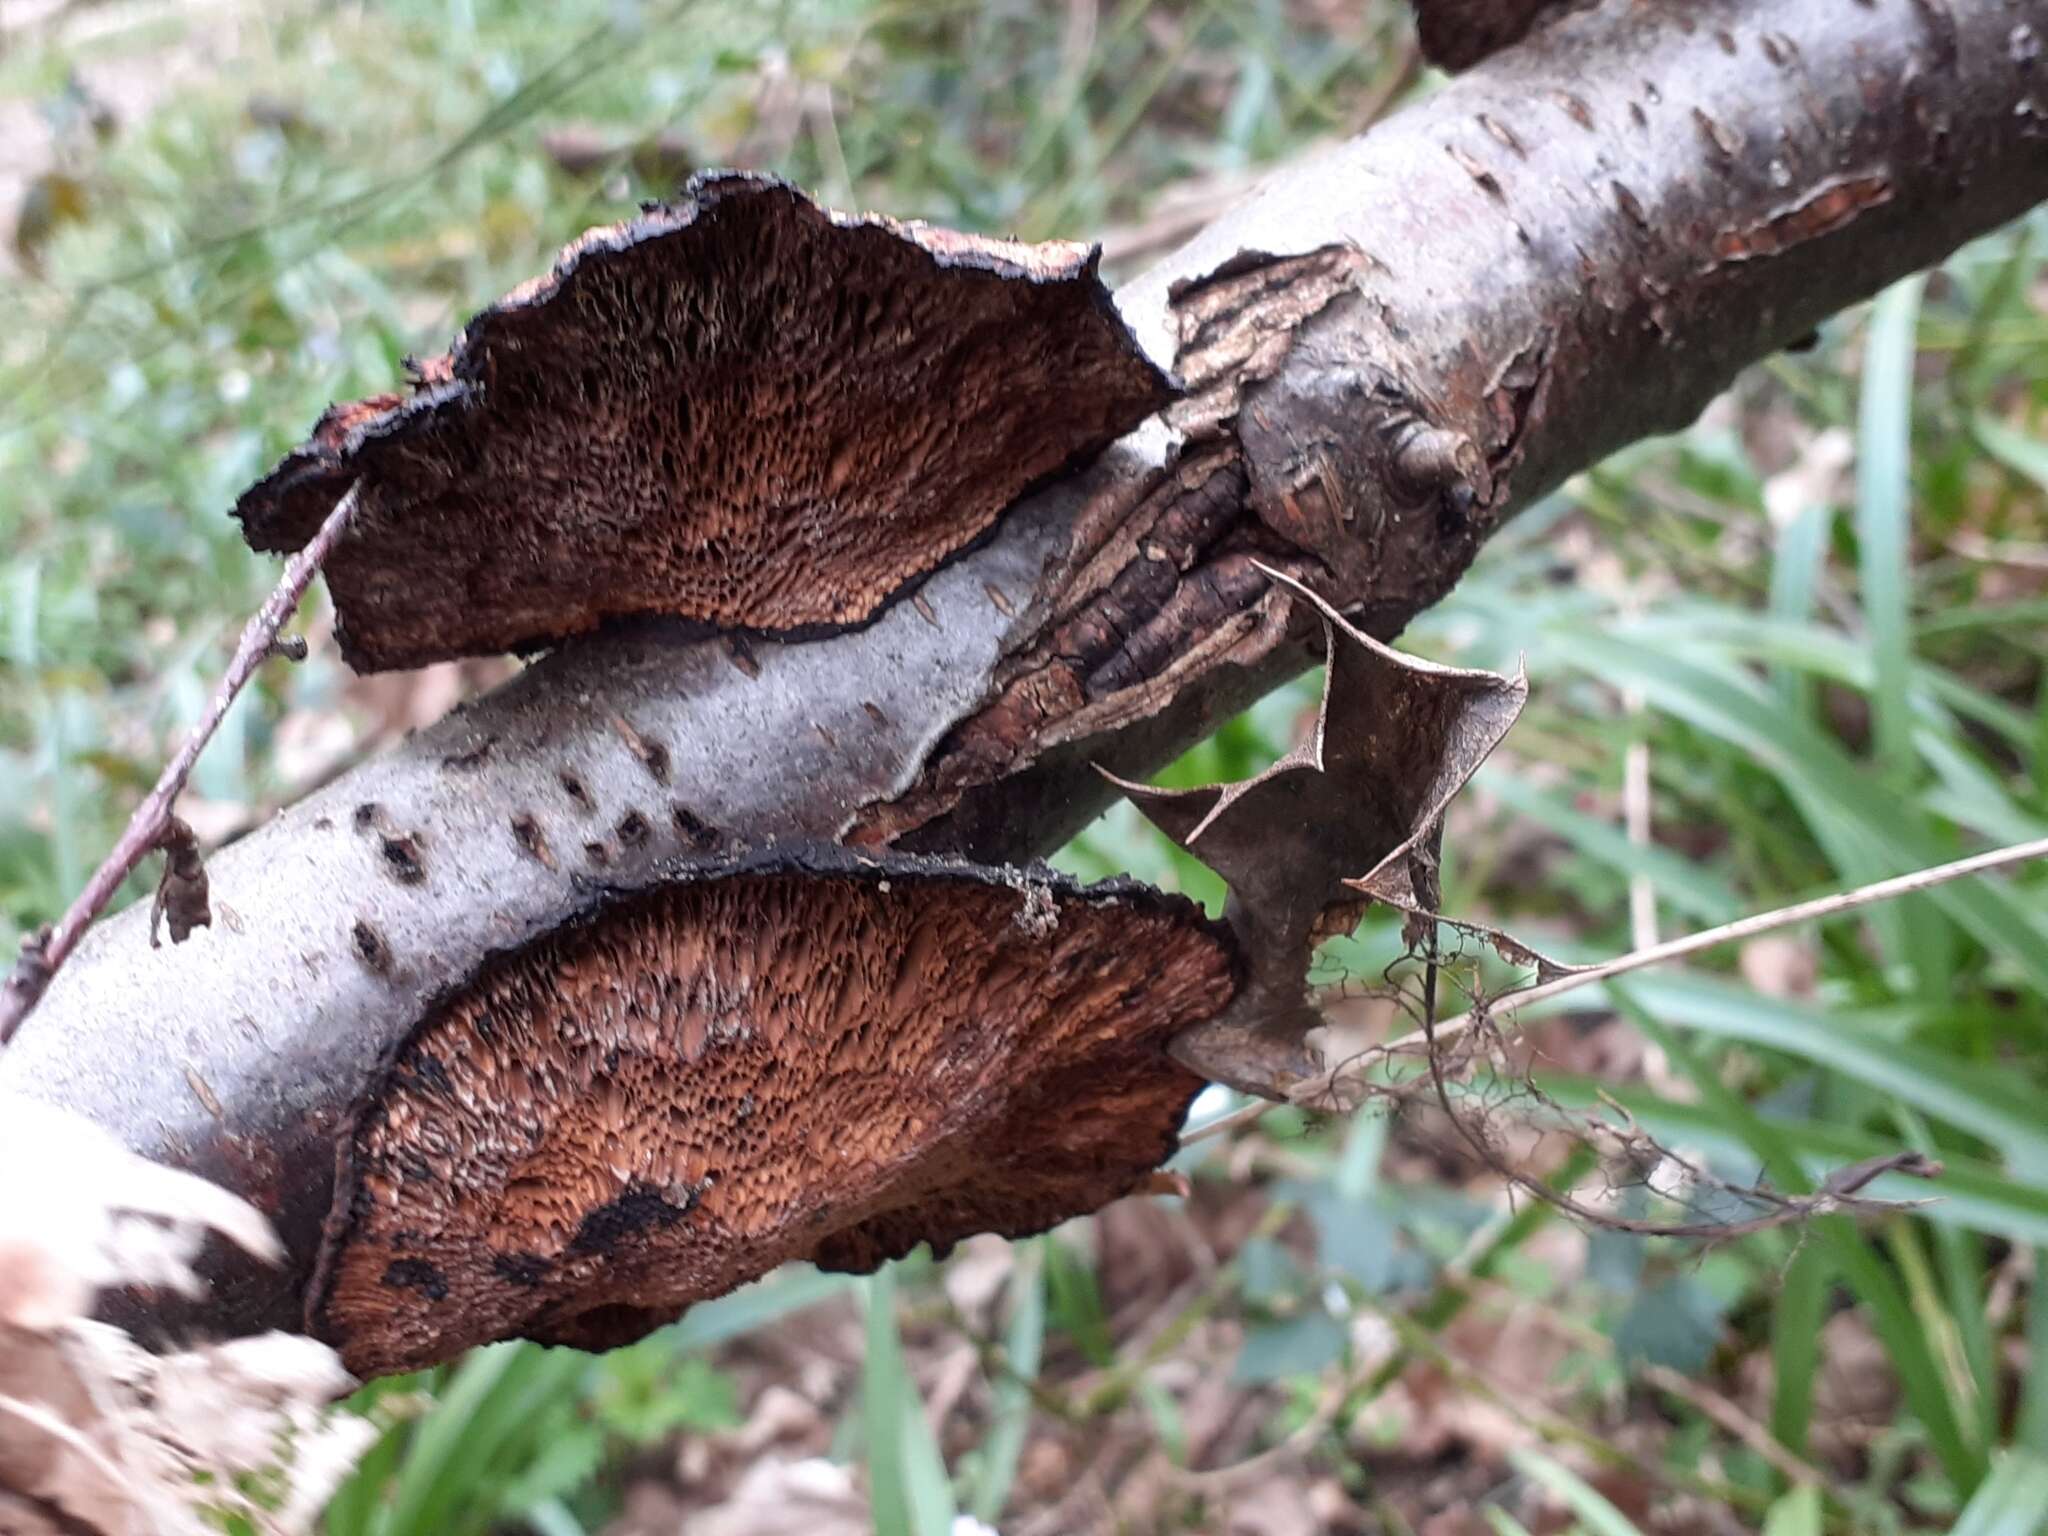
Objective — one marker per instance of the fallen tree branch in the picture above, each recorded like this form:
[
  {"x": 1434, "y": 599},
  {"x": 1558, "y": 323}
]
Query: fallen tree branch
[
  {"x": 153, "y": 826},
  {"x": 1390, "y": 349}
]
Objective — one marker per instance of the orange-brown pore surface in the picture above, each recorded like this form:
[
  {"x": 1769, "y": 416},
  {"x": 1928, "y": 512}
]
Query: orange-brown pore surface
[
  {"x": 701, "y": 1081},
  {"x": 741, "y": 410}
]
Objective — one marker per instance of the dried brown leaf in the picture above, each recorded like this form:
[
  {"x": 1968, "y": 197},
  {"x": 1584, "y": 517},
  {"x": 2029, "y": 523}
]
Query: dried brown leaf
[{"x": 1394, "y": 740}]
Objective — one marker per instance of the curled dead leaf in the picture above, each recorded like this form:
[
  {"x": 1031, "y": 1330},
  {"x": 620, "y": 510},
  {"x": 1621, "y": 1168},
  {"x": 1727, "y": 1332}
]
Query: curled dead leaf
[{"x": 1394, "y": 740}]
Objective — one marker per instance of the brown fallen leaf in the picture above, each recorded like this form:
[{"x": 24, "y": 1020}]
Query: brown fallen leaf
[{"x": 1395, "y": 739}]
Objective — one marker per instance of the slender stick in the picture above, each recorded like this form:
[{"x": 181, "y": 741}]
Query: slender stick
[
  {"x": 44, "y": 953},
  {"x": 1636, "y": 960}
]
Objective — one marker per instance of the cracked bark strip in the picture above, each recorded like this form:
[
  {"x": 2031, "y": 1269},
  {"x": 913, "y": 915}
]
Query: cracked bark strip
[
  {"x": 1395, "y": 738},
  {"x": 1478, "y": 238}
]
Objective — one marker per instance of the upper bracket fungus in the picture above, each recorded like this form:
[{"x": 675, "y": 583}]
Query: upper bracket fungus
[
  {"x": 799, "y": 1056},
  {"x": 740, "y": 409}
]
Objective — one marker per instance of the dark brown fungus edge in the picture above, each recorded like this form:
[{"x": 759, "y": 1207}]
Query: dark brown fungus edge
[
  {"x": 1456, "y": 34},
  {"x": 797, "y": 1055},
  {"x": 740, "y": 410}
]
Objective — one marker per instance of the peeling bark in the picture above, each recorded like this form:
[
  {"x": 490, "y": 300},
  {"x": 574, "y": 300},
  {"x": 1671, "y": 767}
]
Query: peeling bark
[{"x": 1390, "y": 349}]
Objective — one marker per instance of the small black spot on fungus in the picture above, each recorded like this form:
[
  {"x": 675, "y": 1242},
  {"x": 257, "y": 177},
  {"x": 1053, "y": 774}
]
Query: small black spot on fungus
[
  {"x": 639, "y": 1209},
  {"x": 599, "y": 854},
  {"x": 402, "y": 859},
  {"x": 577, "y": 791},
  {"x": 417, "y": 1275},
  {"x": 368, "y": 816},
  {"x": 527, "y": 1269},
  {"x": 697, "y": 834},
  {"x": 428, "y": 1073},
  {"x": 633, "y": 830},
  {"x": 526, "y": 832},
  {"x": 370, "y": 947}
]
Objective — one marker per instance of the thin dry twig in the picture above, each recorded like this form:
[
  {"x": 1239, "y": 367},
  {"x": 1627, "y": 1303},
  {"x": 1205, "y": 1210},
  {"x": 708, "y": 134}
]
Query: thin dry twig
[
  {"x": 1511, "y": 1003},
  {"x": 44, "y": 952},
  {"x": 1837, "y": 1193},
  {"x": 1742, "y": 928}
]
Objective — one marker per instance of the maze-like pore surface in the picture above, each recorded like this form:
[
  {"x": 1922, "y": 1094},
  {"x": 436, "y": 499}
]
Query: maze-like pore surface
[
  {"x": 741, "y": 410},
  {"x": 701, "y": 1081}
]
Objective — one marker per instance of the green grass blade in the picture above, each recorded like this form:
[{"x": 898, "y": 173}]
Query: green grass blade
[
  {"x": 1983, "y": 1101},
  {"x": 1010, "y": 1416},
  {"x": 2031, "y": 1432},
  {"x": 1595, "y": 1513},
  {"x": 1819, "y": 772},
  {"x": 1938, "y": 1325},
  {"x": 449, "y": 1478},
  {"x": 1681, "y": 883},
  {"x": 1795, "y": 1345},
  {"x": 1890, "y": 1313},
  {"x": 789, "y": 1290},
  {"x": 1798, "y": 1513},
  {"x": 1884, "y": 442},
  {"x": 2016, "y": 450},
  {"x": 884, "y": 1387},
  {"x": 551, "y": 1517},
  {"x": 908, "y": 1488},
  {"x": 1796, "y": 565},
  {"x": 1964, "y": 1284},
  {"x": 2013, "y": 1500}
]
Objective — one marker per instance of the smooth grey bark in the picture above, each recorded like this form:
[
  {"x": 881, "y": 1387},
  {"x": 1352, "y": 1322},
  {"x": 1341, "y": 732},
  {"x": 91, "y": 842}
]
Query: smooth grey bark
[{"x": 1392, "y": 347}]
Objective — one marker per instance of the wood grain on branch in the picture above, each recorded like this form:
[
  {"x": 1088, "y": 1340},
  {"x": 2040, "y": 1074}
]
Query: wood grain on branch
[{"x": 1390, "y": 349}]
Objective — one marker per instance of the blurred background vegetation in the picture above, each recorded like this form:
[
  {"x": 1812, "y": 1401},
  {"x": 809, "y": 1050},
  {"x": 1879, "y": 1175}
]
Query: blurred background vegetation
[{"x": 1815, "y": 624}]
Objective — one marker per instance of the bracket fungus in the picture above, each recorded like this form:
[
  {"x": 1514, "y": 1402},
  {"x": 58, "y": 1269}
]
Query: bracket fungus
[
  {"x": 740, "y": 409},
  {"x": 801, "y": 1055}
]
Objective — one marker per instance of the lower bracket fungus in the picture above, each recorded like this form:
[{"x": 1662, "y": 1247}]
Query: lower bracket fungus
[
  {"x": 740, "y": 409},
  {"x": 798, "y": 1056}
]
